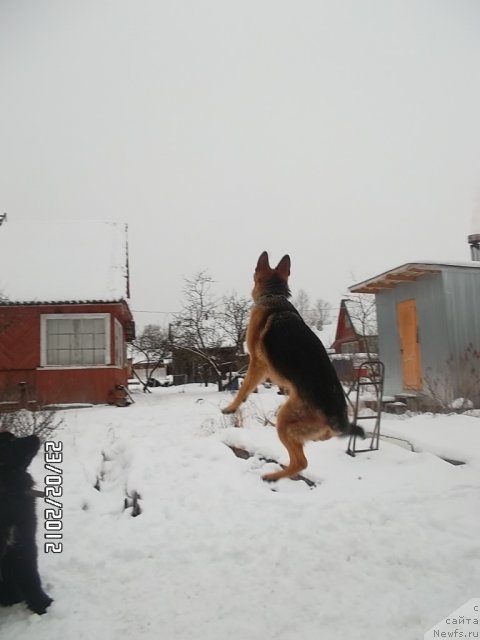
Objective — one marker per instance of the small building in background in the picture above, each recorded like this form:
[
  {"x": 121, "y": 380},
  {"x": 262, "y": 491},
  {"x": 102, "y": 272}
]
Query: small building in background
[
  {"x": 190, "y": 367},
  {"x": 64, "y": 315},
  {"x": 428, "y": 317},
  {"x": 355, "y": 339},
  {"x": 356, "y": 328}
]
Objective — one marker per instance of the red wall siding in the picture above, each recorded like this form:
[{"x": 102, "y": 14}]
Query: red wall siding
[
  {"x": 19, "y": 338},
  {"x": 20, "y": 357},
  {"x": 345, "y": 331},
  {"x": 95, "y": 386}
]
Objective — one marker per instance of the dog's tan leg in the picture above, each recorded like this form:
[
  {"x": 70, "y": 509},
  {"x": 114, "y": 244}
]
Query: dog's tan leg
[
  {"x": 287, "y": 426},
  {"x": 255, "y": 374},
  {"x": 298, "y": 462}
]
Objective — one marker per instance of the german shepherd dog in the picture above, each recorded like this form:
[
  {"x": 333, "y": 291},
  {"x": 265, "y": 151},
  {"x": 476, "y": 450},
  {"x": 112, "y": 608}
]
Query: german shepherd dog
[
  {"x": 19, "y": 579},
  {"x": 283, "y": 348}
]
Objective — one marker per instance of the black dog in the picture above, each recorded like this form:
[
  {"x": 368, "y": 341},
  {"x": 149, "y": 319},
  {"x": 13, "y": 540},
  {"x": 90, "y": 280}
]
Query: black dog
[{"x": 19, "y": 579}]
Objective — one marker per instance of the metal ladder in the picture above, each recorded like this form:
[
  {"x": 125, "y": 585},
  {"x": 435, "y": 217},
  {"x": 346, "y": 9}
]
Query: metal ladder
[{"x": 371, "y": 373}]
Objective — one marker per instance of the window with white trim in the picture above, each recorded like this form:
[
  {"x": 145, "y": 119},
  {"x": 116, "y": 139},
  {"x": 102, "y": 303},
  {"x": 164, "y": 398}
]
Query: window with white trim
[
  {"x": 75, "y": 340},
  {"x": 350, "y": 347}
]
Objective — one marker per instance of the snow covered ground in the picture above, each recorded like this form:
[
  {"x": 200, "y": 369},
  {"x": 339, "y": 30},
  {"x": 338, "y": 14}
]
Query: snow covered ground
[{"x": 384, "y": 546}]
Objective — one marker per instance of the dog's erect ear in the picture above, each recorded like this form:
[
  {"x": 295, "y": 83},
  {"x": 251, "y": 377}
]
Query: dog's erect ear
[
  {"x": 24, "y": 450},
  {"x": 17, "y": 453},
  {"x": 283, "y": 267},
  {"x": 5, "y": 447},
  {"x": 263, "y": 263}
]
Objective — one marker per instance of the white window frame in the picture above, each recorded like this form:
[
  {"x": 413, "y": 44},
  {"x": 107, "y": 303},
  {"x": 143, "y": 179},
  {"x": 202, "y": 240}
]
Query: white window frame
[
  {"x": 44, "y": 318},
  {"x": 119, "y": 346}
]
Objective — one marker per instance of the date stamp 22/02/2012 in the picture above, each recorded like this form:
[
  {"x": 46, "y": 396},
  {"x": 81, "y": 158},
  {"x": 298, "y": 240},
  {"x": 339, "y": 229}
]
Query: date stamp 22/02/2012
[{"x": 53, "y": 512}]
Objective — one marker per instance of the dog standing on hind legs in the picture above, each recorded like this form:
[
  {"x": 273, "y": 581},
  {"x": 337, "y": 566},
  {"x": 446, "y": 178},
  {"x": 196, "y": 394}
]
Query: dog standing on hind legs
[{"x": 282, "y": 347}]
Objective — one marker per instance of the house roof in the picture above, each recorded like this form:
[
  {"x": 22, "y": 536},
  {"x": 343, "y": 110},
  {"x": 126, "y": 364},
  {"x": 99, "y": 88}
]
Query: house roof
[
  {"x": 56, "y": 303},
  {"x": 59, "y": 261},
  {"x": 356, "y": 322},
  {"x": 408, "y": 272}
]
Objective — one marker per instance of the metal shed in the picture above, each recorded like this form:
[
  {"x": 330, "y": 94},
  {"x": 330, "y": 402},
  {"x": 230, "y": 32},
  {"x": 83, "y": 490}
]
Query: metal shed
[{"x": 429, "y": 328}]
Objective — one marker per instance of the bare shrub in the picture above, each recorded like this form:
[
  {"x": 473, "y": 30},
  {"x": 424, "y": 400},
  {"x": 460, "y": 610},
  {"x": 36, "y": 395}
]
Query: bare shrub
[
  {"x": 208, "y": 331},
  {"x": 252, "y": 410},
  {"x": 457, "y": 387},
  {"x": 22, "y": 423}
]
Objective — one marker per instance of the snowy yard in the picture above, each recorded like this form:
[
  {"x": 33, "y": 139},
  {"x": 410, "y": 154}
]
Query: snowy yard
[{"x": 384, "y": 546}]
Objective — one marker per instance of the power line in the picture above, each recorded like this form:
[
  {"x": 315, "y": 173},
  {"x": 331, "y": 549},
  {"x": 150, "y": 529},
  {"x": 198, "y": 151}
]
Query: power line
[
  {"x": 177, "y": 311},
  {"x": 332, "y": 308},
  {"x": 148, "y": 311}
]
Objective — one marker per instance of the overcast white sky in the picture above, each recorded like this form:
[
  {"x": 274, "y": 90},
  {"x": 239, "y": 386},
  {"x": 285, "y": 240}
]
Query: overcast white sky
[{"x": 343, "y": 132}]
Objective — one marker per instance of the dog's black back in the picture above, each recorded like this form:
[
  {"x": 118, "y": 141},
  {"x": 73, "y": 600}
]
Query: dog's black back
[
  {"x": 19, "y": 579},
  {"x": 299, "y": 355}
]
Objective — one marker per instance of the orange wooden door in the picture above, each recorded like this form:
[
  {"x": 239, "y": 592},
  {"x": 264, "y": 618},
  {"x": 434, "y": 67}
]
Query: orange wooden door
[{"x": 409, "y": 344}]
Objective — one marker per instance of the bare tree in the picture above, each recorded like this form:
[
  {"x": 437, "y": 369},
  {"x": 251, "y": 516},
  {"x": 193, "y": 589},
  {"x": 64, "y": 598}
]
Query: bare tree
[
  {"x": 302, "y": 303},
  {"x": 317, "y": 315},
  {"x": 320, "y": 314},
  {"x": 363, "y": 313},
  {"x": 153, "y": 346},
  {"x": 209, "y": 328},
  {"x": 234, "y": 315},
  {"x": 198, "y": 325}
]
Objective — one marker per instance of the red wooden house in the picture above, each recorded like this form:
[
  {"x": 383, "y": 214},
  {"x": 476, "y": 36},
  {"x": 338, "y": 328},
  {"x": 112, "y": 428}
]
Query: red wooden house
[
  {"x": 355, "y": 338},
  {"x": 356, "y": 329},
  {"x": 65, "y": 321}
]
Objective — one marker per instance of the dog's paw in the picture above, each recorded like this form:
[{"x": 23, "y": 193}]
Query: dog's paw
[
  {"x": 228, "y": 410},
  {"x": 40, "y": 604},
  {"x": 270, "y": 477}
]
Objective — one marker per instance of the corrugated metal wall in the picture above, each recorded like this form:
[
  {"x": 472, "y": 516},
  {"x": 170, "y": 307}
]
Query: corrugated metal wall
[
  {"x": 448, "y": 313},
  {"x": 428, "y": 294},
  {"x": 462, "y": 296}
]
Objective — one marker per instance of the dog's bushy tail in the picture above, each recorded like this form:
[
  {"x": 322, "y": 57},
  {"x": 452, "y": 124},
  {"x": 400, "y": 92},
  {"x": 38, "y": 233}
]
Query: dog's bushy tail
[
  {"x": 350, "y": 429},
  {"x": 355, "y": 430}
]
